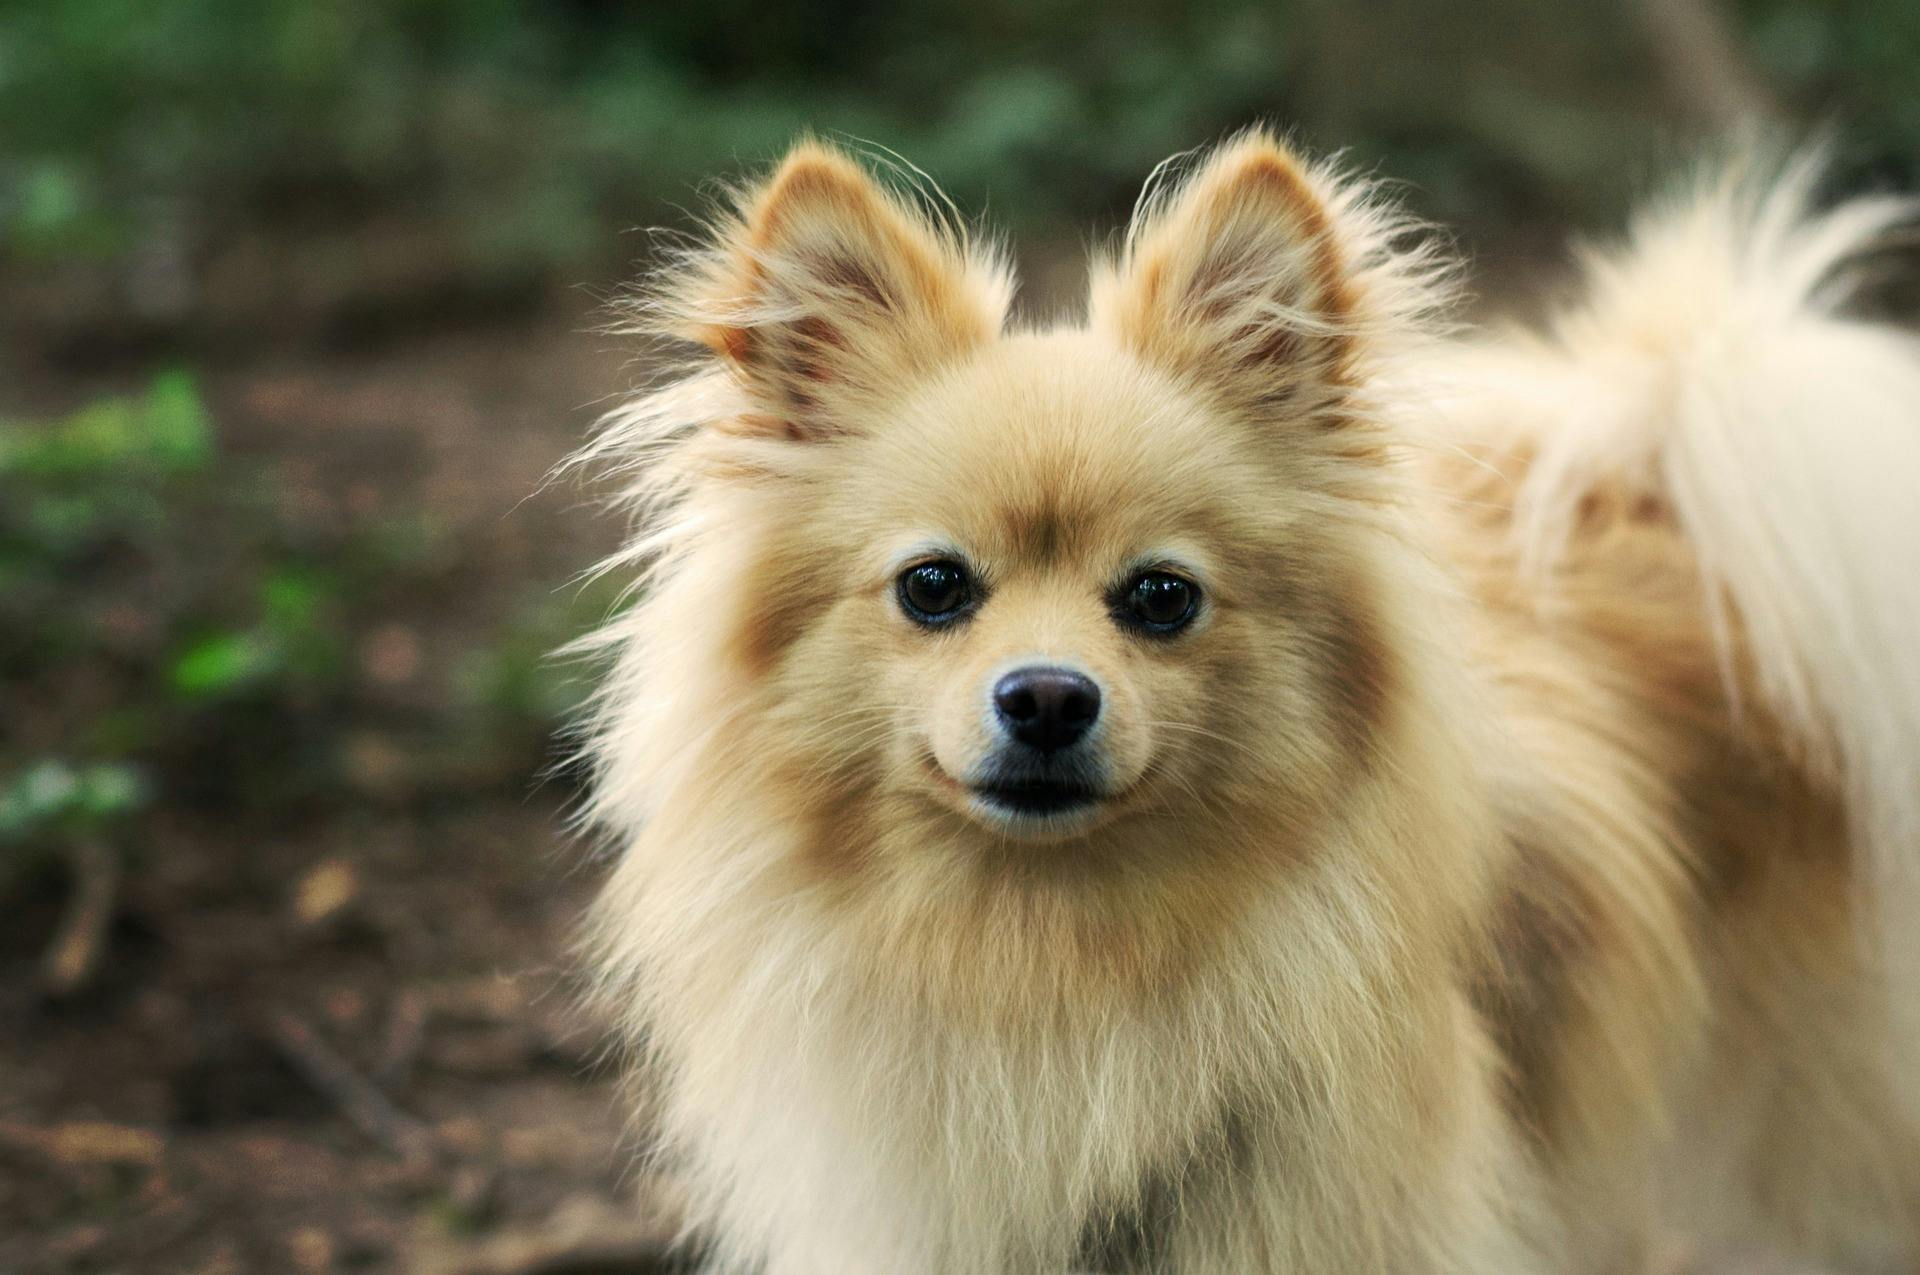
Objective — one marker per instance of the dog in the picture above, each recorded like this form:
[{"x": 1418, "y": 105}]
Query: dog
[{"x": 1260, "y": 778}]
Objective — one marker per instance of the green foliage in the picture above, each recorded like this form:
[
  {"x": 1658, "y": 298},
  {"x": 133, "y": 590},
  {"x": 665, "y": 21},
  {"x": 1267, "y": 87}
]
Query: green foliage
[
  {"x": 289, "y": 639},
  {"x": 221, "y": 663},
  {"x": 164, "y": 430},
  {"x": 528, "y": 131},
  {"x": 1853, "y": 61},
  {"x": 72, "y": 490},
  {"x": 50, "y": 800},
  {"x": 52, "y": 796},
  {"x": 167, "y": 634}
]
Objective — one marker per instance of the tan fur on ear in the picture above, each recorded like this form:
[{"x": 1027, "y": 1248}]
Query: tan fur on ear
[
  {"x": 1247, "y": 278},
  {"x": 824, "y": 291}
]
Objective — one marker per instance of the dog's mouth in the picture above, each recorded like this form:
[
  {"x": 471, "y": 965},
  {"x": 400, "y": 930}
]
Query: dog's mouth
[
  {"x": 1024, "y": 799},
  {"x": 1037, "y": 798},
  {"x": 1037, "y": 794}
]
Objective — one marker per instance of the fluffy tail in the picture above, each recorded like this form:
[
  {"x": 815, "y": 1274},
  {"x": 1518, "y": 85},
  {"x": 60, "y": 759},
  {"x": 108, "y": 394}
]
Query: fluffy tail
[{"x": 1785, "y": 436}]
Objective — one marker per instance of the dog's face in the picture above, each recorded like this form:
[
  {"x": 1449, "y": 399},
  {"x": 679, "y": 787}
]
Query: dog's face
[
  {"x": 1078, "y": 590},
  {"x": 1049, "y": 582},
  {"x": 1050, "y": 593}
]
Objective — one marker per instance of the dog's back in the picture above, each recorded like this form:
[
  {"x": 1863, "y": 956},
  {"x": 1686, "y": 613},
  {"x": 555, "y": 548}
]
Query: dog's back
[{"x": 1688, "y": 520}]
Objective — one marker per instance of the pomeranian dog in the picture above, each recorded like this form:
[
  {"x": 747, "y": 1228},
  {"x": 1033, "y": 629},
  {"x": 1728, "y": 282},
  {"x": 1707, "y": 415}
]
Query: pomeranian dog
[{"x": 1255, "y": 779}]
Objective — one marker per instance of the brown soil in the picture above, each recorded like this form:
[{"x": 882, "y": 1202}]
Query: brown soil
[{"x": 204, "y": 1106}]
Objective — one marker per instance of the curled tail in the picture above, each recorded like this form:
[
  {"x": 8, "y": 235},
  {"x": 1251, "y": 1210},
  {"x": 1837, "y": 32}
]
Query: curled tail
[{"x": 1785, "y": 437}]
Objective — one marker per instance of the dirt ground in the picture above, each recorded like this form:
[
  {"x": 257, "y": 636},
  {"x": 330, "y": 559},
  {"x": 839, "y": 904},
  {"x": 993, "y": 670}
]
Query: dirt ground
[{"x": 343, "y": 1039}]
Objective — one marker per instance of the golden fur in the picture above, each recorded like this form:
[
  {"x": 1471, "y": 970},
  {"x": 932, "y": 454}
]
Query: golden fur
[{"x": 1492, "y": 875}]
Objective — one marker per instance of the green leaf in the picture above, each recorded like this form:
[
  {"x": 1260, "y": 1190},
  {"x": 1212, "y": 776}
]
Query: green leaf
[
  {"x": 224, "y": 662},
  {"x": 52, "y": 795},
  {"x": 178, "y": 433},
  {"x": 100, "y": 436},
  {"x": 290, "y": 600},
  {"x": 37, "y": 796},
  {"x": 167, "y": 427},
  {"x": 108, "y": 790}
]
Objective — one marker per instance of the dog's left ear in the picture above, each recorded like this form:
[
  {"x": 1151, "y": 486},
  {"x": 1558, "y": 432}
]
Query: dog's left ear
[
  {"x": 1235, "y": 279},
  {"x": 827, "y": 293}
]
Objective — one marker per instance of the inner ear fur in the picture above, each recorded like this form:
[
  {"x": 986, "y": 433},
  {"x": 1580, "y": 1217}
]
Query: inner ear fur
[
  {"x": 1236, "y": 278},
  {"x": 825, "y": 293}
]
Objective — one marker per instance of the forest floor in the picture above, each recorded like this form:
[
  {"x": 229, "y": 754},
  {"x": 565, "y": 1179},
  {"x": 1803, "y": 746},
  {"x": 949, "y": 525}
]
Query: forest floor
[{"x": 342, "y": 1036}]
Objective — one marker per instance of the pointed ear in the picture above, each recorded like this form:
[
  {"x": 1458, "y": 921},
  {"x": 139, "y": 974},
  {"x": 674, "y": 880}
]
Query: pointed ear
[
  {"x": 825, "y": 294},
  {"x": 1236, "y": 279}
]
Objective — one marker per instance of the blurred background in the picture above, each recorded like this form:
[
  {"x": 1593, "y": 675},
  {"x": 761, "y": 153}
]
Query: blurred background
[{"x": 299, "y": 302}]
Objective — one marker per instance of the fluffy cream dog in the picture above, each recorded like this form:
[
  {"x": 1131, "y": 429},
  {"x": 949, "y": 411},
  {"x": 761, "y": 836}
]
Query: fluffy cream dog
[{"x": 1248, "y": 782}]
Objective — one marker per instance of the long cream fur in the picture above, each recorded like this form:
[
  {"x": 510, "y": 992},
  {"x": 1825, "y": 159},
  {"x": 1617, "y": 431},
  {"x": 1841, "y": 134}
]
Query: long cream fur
[{"x": 1507, "y": 874}]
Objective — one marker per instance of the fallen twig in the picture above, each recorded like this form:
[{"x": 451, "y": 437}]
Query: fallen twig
[
  {"x": 359, "y": 1099},
  {"x": 406, "y": 1033},
  {"x": 73, "y": 958},
  {"x": 87, "y": 1142}
]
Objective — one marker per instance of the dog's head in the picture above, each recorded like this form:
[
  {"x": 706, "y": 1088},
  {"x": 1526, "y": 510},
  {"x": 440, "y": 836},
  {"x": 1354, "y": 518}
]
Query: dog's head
[{"x": 1042, "y": 582}]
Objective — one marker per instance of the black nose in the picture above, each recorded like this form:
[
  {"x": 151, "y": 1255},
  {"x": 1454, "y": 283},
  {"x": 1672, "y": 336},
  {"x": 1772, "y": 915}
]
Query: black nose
[{"x": 1047, "y": 708}]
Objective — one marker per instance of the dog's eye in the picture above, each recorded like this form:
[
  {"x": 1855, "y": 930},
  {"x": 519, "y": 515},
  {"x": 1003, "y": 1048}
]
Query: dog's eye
[
  {"x": 1160, "y": 602},
  {"x": 935, "y": 592}
]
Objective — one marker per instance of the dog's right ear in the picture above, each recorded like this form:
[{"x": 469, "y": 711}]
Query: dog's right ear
[
  {"x": 1238, "y": 279},
  {"x": 825, "y": 294}
]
